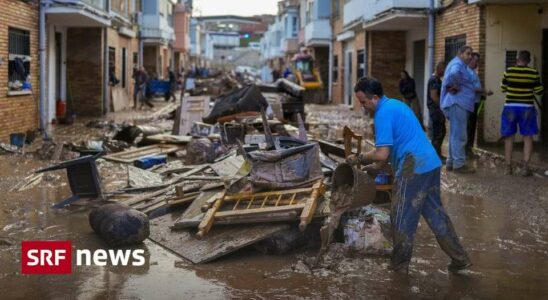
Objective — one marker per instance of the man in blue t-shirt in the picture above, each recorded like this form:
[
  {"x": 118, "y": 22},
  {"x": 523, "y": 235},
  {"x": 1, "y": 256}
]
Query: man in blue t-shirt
[{"x": 399, "y": 138}]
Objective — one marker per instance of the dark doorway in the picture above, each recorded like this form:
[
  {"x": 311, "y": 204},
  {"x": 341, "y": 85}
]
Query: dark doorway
[
  {"x": 419, "y": 48},
  {"x": 124, "y": 66},
  {"x": 58, "y": 64},
  {"x": 544, "y": 74}
]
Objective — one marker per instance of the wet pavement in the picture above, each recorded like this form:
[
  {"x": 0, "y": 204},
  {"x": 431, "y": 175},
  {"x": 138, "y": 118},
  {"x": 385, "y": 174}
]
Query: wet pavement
[{"x": 501, "y": 220}]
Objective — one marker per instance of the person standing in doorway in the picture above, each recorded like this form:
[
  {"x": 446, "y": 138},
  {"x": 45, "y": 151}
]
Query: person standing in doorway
[
  {"x": 520, "y": 83},
  {"x": 409, "y": 93},
  {"x": 480, "y": 96},
  {"x": 172, "y": 86},
  {"x": 436, "y": 115},
  {"x": 458, "y": 98},
  {"x": 400, "y": 139}
]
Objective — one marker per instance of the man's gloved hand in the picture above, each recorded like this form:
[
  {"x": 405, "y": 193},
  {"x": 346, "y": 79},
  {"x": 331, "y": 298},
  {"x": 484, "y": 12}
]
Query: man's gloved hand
[
  {"x": 352, "y": 159},
  {"x": 372, "y": 169}
]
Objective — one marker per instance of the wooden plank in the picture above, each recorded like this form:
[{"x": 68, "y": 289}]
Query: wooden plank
[
  {"x": 220, "y": 241},
  {"x": 169, "y": 138},
  {"x": 131, "y": 155},
  {"x": 310, "y": 206},
  {"x": 209, "y": 217}
]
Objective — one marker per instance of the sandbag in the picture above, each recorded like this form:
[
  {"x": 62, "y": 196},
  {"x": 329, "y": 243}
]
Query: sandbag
[
  {"x": 246, "y": 99},
  {"x": 120, "y": 225}
]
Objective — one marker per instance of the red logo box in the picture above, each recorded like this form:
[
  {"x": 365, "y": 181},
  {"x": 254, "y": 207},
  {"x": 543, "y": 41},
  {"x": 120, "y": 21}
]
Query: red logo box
[{"x": 46, "y": 257}]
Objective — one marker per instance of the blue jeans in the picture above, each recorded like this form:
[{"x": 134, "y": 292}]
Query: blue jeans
[
  {"x": 458, "y": 135},
  {"x": 414, "y": 196}
]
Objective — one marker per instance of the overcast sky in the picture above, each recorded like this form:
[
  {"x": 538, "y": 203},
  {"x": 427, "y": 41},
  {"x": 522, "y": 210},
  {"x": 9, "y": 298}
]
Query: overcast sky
[{"x": 234, "y": 7}]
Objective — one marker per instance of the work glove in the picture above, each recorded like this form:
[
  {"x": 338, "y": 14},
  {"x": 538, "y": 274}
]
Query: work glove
[
  {"x": 352, "y": 159},
  {"x": 372, "y": 169}
]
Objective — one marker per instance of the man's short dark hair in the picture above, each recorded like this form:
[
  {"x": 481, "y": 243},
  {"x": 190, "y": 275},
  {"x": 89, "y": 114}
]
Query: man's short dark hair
[
  {"x": 524, "y": 56},
  {"x": 369, "y": 86},
  {"x": 464, "y": 48}
]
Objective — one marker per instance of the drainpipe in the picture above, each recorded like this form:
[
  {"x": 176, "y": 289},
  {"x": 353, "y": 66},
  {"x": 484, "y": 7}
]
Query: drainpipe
[
  {"x": 105, "y": 72},
  {"x": 330, "y": 84},
  {"x": 44, "y": 4},
  {"x": 431, "y": 25}
]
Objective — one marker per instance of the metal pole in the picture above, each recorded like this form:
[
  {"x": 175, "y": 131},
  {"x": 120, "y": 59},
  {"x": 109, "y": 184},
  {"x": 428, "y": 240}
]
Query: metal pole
[
  {"x": 431, "y": 24},
  {"x": 42, "y": 50}
]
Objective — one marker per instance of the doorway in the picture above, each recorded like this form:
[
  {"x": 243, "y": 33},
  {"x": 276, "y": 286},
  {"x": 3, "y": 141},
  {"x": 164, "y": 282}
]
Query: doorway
[
  {"x": 419, "y": 49},
  {"x": 544, "y": 74}
]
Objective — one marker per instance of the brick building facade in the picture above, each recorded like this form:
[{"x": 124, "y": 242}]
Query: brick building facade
[{"x": 18, "y": 110}]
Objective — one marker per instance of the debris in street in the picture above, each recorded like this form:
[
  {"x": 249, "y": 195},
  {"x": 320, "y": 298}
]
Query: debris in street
[
  {"x": 119, "y": 225},
  {"x": 138, "y": 178},
  {"x": 83, "y": 179},
  {"x": 129, "y": 156}
]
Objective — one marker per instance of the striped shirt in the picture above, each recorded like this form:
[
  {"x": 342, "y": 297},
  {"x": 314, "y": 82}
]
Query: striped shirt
[{"x": 521, "y": 83}]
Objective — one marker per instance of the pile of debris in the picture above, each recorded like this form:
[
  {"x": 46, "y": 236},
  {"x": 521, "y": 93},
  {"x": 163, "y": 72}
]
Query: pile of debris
[{"x": 230, "y": 173}]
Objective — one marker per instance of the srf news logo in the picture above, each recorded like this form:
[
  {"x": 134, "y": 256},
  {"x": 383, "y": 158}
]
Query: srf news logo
[{"x": 55, "y": 257}]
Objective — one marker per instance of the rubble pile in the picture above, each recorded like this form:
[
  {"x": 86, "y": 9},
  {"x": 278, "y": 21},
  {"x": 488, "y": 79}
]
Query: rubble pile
[{"x": 228, "y": 171}]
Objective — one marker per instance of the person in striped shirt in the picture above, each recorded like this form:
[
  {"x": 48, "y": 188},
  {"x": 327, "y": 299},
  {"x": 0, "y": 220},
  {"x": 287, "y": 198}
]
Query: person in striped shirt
[{"x": 520, "y": 83}]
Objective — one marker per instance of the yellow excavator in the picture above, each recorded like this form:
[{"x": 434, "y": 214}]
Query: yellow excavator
[{"x": 308, "y": 77}]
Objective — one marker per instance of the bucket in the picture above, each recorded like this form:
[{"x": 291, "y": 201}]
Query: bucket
[
  {"x": 362, "y": 185},
  {"x": 17, "y": 139},
  {"x": 60, "y": 108}
]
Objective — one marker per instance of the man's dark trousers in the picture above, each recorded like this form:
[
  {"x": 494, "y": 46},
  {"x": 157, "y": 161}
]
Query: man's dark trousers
[{"x": 417, "y": 195}]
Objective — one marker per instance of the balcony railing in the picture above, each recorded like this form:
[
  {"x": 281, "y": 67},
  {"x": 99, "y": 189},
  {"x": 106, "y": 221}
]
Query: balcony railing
[
  {"x": 318, "y": 30},
  {"x": 99, "y": 4},
  {"x": 384, "y": 5}
]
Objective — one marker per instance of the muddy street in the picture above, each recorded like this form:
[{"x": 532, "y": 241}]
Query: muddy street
[{"x": 501, "y": 221}]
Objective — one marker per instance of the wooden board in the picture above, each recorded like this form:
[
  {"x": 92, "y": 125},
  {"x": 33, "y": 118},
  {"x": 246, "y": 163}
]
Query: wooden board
[
  {"x": 220, "y": 241},
  {"x": 119, "y": 99},
  {"x": 168, "y": 138},
  {"x": 228, "y": 167},
  {"x": 193, "y": 109},
  {"x": 130, "y": 156}
]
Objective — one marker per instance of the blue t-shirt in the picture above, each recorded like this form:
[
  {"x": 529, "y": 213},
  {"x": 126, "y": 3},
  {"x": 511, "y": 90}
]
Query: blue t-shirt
[{"x": 397, "y": 127}]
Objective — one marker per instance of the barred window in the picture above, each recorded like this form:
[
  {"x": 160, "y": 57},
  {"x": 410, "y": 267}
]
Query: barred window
[
  {"x": 361, "y": 63},
  {"x": 18, "y": 58},
  {"x": 511, "y": 58},
  {"x": 452, "y": 46}
]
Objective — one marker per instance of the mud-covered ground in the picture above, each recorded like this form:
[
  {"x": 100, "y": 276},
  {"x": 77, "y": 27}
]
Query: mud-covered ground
[{"x": 501, "y": 219}]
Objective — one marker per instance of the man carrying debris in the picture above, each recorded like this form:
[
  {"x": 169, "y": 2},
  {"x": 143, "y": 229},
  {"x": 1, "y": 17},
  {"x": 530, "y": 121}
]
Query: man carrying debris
[{"x": 400, "y": 138}]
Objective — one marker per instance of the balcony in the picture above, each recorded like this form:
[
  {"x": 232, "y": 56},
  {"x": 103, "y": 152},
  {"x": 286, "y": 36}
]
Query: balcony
[
  {"x": 506, "y": 2},
  {"x": 397, "y": 15},
  {"x": 79, "y": 13},
  {"x": 155, "y": 28},
  {"x": 385, "y": 5},
  {"x": 356, "y": 11},
  {"x": 290, "y": 45},
  {"x": 317, "y": 33}
]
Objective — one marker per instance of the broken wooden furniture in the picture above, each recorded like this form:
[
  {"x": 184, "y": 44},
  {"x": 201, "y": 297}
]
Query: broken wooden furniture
[
  {"x": 349, "y": 135},
  {"x": 262, "y": 207},
  {"x": 130, "y": 156},
  {"x": 191, "y": 110},
  {"x": 83, "y": 179}
]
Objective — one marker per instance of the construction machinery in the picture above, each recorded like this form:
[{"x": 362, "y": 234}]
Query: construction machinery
[{"x": 308, "y": 77}]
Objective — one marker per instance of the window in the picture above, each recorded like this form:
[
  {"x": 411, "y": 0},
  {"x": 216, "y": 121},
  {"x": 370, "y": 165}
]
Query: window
[
  {"x": 452, "y": 46},
  {"x": 361, "y": 63},
  {"x": 335, "y": 68},
  {"x": 295, "y": 27},
  {"x": 135, "y": 59},
  {"x": 111, "y": 63},
  {"x": 18, "y": 58},
  {"x": 511, "y": 58}
]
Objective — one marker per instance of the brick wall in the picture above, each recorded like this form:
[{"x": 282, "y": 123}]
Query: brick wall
[
  {"x": 118, "y": 42},
  {"x": 359, "y": 44},
  {"x": 458, "y": 19},
  {"x": 85, "y": 70},
  {"x": 386, "y": 59},
  {"x": 18, "y": 113}
]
